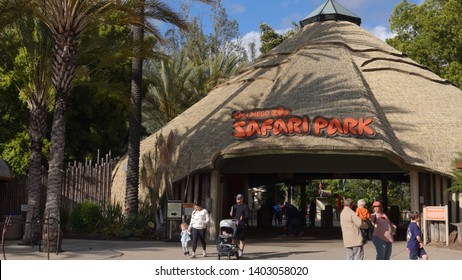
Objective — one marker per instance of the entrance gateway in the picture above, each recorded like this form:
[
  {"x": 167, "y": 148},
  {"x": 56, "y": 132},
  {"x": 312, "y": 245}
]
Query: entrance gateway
[{"x": 346, "y": 104}]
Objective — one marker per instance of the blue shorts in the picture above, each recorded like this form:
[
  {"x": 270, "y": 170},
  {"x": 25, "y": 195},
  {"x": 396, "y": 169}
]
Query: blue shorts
[{"x": 417, "y": 254}]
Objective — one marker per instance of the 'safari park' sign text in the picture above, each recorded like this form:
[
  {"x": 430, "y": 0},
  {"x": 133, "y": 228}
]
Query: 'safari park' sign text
[{"x": 280, "y": 121}]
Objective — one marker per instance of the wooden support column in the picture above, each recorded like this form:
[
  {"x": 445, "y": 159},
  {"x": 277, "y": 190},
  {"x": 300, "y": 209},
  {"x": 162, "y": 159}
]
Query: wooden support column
[
  {"x": 385, "y": 194},
  {"x": 414, "y": 185},
  {"x": 189, "y": 186},
  {"x": 216, "y": 195},
  {"x": 196, "y": 188},
  {"x": 303, "y": 203},
  {"x": 454, "y": 207}
]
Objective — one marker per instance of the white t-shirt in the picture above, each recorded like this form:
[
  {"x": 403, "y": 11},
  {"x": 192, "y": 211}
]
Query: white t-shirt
[{"x": 199, "y": 219}]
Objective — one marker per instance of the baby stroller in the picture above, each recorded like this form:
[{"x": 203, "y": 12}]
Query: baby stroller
[{"x": 227, "y": 242}]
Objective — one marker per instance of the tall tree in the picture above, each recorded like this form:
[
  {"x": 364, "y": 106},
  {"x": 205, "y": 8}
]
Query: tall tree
[
  {"x": 430, "y": 34},
  {"x": 145, "y": 9},
  {"x": 32, "y": 77},
  {"x": 66, "y": 20}
]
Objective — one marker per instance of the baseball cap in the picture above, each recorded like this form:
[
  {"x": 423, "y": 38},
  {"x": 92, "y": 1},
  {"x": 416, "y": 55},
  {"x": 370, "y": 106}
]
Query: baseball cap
[
  {"x": 377, "y": 204},
  {"x": 239, "y": 196}
]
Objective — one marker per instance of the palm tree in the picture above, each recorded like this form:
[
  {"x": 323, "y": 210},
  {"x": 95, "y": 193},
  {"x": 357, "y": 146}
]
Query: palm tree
[
  {"x": 33, "y": 81},
  {"x": 169, "y": 84},
  {"x": 177, "y": 83},
  {"x": 145, "y": 9},
  {"x": 67, "y": 20},
  {"x": 39, "y": 97}
]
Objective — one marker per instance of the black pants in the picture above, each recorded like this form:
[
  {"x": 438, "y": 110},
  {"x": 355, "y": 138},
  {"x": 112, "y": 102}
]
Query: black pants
[{"x": 198, "y": 234}]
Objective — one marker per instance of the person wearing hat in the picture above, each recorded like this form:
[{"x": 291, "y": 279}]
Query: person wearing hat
[
  {"x": 240, "y": 212},
  {"x": 384, "y": 230},
  {"x": 351, "y": 233}
]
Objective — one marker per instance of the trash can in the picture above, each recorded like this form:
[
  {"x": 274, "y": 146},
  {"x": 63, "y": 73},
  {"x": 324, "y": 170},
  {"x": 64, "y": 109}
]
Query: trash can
[{"x": 405, "y": 216}]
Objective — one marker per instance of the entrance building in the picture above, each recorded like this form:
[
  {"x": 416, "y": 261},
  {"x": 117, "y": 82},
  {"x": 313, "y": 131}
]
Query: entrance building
[{"x": 332, "y": 101}]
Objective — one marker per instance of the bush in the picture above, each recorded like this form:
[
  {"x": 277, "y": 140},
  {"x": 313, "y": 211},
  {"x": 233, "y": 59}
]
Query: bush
[{"x": 86, "y": 217}]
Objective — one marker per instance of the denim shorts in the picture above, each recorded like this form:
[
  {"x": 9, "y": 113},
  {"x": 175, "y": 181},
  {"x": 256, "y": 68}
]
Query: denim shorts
[{"x": 417, "y": 254}]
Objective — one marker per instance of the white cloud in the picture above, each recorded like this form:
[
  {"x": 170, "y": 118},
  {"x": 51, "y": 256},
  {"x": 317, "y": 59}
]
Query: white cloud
[
  {"x": 382, "y": 32},
  {"x": 250, "y": 37}
]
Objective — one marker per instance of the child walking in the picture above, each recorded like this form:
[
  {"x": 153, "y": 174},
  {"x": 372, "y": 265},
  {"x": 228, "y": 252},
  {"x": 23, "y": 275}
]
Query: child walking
[
  {"x": 185, "y": 237},
  {"x": 363, "y": 213},
  {"x": 414, "y": 239}
]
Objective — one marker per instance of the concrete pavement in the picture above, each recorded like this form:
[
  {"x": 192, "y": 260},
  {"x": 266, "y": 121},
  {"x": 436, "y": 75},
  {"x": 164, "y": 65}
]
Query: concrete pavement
[{"x": 312, "y": 245}]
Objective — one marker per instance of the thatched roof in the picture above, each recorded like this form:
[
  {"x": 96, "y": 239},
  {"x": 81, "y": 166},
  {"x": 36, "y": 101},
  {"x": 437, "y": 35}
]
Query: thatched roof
[{"x": 332, "y": 69}]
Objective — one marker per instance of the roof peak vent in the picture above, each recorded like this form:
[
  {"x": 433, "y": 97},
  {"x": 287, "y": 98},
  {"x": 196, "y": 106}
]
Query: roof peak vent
[{"x": 330, "y": 10}]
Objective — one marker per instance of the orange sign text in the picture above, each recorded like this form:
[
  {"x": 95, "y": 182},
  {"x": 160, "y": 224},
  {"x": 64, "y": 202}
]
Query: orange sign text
[{"x": 280, "y": 121}]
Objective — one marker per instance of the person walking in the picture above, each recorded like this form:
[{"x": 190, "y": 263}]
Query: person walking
[
  {"x": 414, "y": 238},
  {"x": 199, "y": 220},
  {"x": 240, "y": 212},
  {"x": 185, "y": 237},
  {"x": 351, "y": 233},
  {"x": 292, "y": 219},
  {"x": 383, "y": 232}
]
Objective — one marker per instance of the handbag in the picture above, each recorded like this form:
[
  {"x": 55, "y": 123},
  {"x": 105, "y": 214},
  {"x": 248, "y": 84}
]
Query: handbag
[{"x": 367, "y": 230}]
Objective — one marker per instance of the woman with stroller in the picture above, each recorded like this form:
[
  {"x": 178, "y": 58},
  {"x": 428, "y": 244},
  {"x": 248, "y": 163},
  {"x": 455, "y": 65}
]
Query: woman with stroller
[{"x": 198, "y": 225}]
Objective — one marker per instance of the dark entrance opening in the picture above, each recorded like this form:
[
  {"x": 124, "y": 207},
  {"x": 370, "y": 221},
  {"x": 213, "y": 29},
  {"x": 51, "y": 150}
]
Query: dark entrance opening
[{"x": 301, "y": 174}]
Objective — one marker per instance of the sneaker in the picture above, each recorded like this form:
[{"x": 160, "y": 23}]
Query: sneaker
[
  {"x": 193, "y": 255},
  {"x": 241, "y": 253},
  {"x": 204, "y": 254}
]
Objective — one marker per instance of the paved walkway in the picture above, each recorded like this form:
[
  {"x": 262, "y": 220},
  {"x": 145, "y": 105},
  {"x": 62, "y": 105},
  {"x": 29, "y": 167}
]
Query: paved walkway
[{"x": 269, "y": 246}]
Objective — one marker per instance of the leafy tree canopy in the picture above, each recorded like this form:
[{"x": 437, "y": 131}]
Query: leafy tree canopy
[
  {"x": 270, "y": 38},
  {"x": 431, "y": 35}
]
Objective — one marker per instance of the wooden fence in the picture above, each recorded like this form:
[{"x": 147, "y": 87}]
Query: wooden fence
[{"x": 81, "y": 181}]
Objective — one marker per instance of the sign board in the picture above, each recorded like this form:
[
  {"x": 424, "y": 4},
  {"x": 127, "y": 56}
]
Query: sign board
[
  {"x": 24, "y": 207},
  {"x": 174, "y": 209},
  {"x": 435, "y": 213},
  {"x": 188, "y": 209}
]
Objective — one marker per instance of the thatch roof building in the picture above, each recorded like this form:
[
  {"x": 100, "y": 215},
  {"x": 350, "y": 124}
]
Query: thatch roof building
[{"x": 332, "y": 101}]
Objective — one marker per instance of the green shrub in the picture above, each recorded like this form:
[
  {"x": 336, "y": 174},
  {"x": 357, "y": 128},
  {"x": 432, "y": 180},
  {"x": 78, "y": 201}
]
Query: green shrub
[{"x": 86, "y": 217}]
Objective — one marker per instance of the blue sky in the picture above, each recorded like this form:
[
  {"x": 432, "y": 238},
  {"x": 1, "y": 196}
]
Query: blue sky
[{"x": 279, "y": 14}]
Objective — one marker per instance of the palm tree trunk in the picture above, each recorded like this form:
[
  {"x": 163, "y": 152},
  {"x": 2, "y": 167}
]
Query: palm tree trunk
[
  {"x": 63, "y": 69},
  {"x": 132, "y": 182},
  {"x": 37, "y": 132},
  {"x": 53, "y": 198}
]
